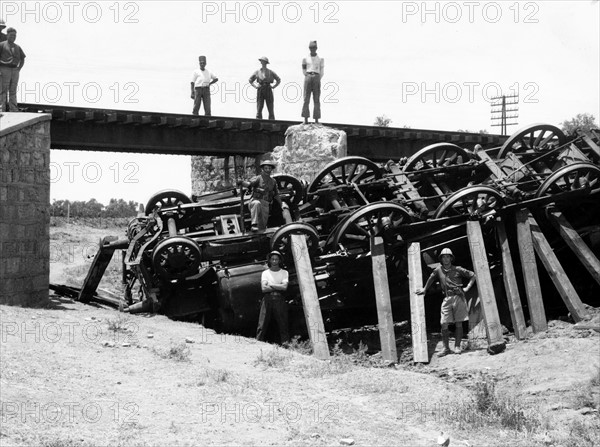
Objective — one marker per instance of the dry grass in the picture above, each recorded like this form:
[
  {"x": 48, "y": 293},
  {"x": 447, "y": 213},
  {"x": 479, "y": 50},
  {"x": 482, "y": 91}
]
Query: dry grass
[
  {"x": 588, "y": 395},
  {"x": 275, "y": 358},
  {"x": 489, "y": 409},
  {"x": 179, "y": 352}
]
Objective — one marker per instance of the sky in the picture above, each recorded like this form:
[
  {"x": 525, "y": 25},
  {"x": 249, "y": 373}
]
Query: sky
[{"x": 427, "y": 65}]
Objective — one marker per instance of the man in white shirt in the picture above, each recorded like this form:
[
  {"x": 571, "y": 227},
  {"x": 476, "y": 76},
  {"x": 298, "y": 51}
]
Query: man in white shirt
[
  {"x": 274, "y": 283},
  {"x": 313, "y": 68},
  {"x": 202, "y": 79}
]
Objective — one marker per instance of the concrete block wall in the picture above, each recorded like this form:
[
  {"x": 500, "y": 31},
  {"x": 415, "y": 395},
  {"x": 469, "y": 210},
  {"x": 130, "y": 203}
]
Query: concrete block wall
[{"x": 24, "y": 208}]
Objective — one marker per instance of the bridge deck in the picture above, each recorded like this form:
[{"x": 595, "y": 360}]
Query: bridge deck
[{"x": 105, "y": 130}]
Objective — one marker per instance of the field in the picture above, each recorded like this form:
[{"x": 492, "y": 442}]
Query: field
[{"x": 83, "y": 375}]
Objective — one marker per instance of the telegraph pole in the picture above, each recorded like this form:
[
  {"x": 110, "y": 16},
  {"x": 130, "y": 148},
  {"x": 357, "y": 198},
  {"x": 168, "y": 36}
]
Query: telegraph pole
[{"x": 501, "y": 105}]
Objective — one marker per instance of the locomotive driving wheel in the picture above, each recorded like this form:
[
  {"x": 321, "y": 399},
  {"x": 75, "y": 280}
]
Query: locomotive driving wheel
[
  {"x": 290, "y": 188},
  {"x": 282, "y": 240},
  {"x": 439, "y": 155},
  {"x": 347, "y": 170},
  {"x": 176, "y": 258},
  {"x": 374, "y": 219},
  {"x": 472, "y": 200},
  {"x": 165, "y": 199},
  {"x": 536, "y": 137},
  {"x": 571, "y": 178}
]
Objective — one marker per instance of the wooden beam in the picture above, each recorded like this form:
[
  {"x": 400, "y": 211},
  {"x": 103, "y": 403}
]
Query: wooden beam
[
  {"x": 97, "y": 269},
  {"x": 417, "y": 305},
  {"x": 485, "y": 287},
  {"x": 573, "y": 240},
  {"x": 310, "y": 299},
  {"x": 557, "y": 274},
  {"x": 537, "y": 314},
  {"x": 382, "y": 299},
  {"x": 510, "y": 284}
]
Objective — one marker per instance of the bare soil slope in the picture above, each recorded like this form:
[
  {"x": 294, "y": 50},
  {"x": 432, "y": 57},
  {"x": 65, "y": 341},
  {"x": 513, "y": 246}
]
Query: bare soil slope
[{"x": 80, "y": 375}]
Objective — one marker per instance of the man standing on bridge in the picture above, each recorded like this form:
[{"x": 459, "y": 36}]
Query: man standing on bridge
[
  {"x": 313, "y": 68},
  {"x": 264, "y": 78},
  {"x": 12, "y": 59},
  {"x": 202, "y": 79}
]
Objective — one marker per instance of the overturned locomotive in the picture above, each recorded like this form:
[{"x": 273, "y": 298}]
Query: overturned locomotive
[{"x": 189, "y": 258}]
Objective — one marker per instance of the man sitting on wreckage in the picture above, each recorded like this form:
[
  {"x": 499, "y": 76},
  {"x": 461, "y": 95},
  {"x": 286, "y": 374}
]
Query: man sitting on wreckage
[{"x": 264, "y": 192}]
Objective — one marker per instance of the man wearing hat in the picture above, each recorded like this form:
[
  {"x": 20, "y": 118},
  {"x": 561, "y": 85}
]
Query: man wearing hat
[
  {"x": 264, "y": 78},
  {"x": 454, "y": 307},
  {"x": 264, "y": 191},
  {"x": 313, "y": 68},
  {"x": 12, "y": 59},
  {"x": 273, "y": 283},
  {"x": 202, "y": 79}
]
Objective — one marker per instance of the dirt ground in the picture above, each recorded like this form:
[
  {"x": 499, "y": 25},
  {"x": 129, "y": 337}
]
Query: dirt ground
[{"x": 82, "y": 375}]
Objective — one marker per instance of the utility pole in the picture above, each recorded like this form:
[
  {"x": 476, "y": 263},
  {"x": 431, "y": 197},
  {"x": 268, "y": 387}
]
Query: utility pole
[{"x": 499, "y": 112}]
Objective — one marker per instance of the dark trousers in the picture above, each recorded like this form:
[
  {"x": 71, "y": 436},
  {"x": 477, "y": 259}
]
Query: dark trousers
[
  {"x": 265, "y": 94},
  {"x": 273, "y": 307},
  {"x": 312, "y": 84},
  {"x": 202, "y": 94}
]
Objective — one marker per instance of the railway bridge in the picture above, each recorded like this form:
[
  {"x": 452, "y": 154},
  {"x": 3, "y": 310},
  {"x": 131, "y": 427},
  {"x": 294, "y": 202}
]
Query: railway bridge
[{"x": 104, "y": 130}]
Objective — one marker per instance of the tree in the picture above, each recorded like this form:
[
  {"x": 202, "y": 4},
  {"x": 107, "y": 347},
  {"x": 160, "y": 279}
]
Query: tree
[
  {"x": 583, "y": 121},
  {"x": 480, "y": 131},
  {"x": 382, "y": 121}
]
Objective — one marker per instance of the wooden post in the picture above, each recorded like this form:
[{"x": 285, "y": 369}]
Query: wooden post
[
  {"x": 510, "y": 284},
  {"x": 382, "y": 299},
  {"x": 417, "y": 305},
  {"x": 557, "y": 274},
  {"x": 98, "y": 267},
  {"x": 537, "y": 314},
  {"x": 310, "y": 299},
  {"x": 485, "y": 287},
  {"x": 573, "y": 240}
]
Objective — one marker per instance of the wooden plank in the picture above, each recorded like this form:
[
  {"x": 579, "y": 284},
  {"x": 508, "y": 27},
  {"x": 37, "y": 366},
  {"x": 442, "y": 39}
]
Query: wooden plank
[
  {"x": 417, "y": 305},
  {"x": 410, "y": 190},
  {"x": 573, "y": 240},
  {"x": 557, "y": 273},
  {"x": 593, "y": 146},
  {"x": 537, "y": 313},
  {"x": 97, "y": 269},
  {"x": 485, "y": 287},
  {"x": 382, "y": 299},
  {"x": 510, "y": 284},
  {"x": 310, "y": 299}
]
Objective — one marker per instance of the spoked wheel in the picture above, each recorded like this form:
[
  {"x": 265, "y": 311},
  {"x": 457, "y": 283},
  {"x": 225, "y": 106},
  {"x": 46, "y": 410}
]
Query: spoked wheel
[
  {"x": 176, "y": 258},
  {"x": 571, "y": 178},
  {"x": 282, "y": 240},
  {"x": 472, "y": 200},
  {"x": 439, "y": 155},
  {"x": 290, "y": 188},
  {"x": 348, "y": 170},
  {"x": 374, "y": 219},
  {"x": 165, "y": 199},
  {"x": 537, "y": 137}
]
